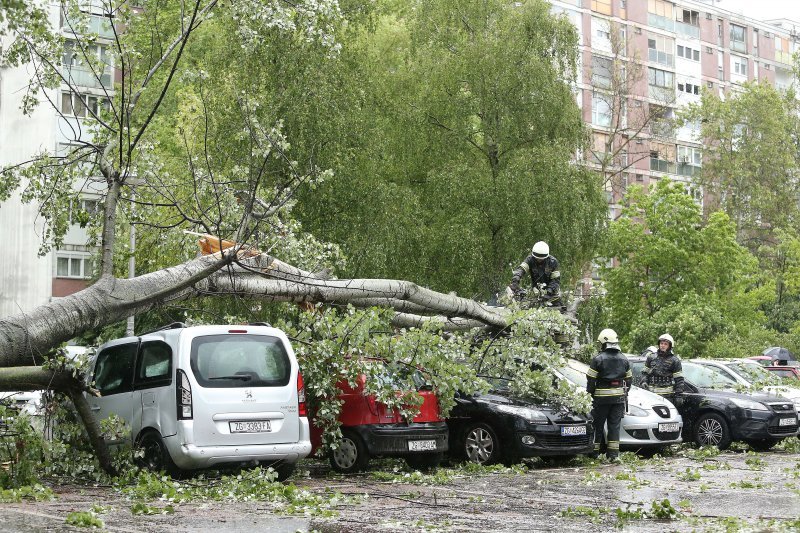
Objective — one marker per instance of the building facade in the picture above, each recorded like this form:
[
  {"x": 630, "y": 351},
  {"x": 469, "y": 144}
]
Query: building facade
[
  {"x": 61, "y": 121},
  {"x": 643, "y": 60}
]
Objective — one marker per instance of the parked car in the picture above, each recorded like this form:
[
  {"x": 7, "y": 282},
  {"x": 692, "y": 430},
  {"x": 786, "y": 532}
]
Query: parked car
[
  {"x": 715, "y": 414},
  {"x": 497, "y": 427},
  {"x": 785, "y": 372},
  {"x": 196, "y": 397},
  {"x": 371, "y": 429},
  {"x": 753, "y": 376},
  {"x": 650, "y": 422}
]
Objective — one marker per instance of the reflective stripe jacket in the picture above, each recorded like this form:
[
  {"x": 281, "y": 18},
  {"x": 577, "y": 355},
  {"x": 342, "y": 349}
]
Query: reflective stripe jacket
[
  {"x": 545, "y": 273},
  {"x": 663, "y": 373},
  {"x": 609, "y": 377}
]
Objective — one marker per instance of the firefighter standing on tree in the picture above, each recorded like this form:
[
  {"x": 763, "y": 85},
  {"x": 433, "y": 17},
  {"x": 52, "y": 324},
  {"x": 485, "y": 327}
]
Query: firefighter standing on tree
[
  {"x": 662, "y": 372},
  {"x": 608, "y": 380},
  {"x": 543, "y": 269}
]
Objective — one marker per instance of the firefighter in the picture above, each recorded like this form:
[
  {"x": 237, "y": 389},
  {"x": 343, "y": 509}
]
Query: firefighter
[
  {"x": 543, "y": 270},
  {"x": 608, "y": 380},
  {"x": 662, "y": 372}
]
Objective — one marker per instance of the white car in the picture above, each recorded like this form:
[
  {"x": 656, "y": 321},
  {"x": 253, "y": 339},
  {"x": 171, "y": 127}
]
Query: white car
[
  {"x": 196, "y": 397},
  {"x": 650, "y": 422},
  {"x": 750, "y": 374}
]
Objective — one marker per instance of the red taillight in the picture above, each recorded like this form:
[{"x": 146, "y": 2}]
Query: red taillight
[
  {"x": 301, "y": 396},
  {"x": 184, "y": 400},
  {"x": 237, "y": 331}
]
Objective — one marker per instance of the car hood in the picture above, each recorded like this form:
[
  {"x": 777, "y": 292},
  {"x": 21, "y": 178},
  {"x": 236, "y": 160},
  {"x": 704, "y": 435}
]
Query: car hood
[
  {"x": 790, "y": 393},
  {"x": 646, "y": 399},
  {"x": 729, "y": 393},
  {"x": 553, "y": 413}
]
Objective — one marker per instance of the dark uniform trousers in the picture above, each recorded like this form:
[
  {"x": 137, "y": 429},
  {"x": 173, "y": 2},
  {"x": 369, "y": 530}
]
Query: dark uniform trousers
[
  {"x": 612, "y": 414},
  {"x": 607, "y": 380}
]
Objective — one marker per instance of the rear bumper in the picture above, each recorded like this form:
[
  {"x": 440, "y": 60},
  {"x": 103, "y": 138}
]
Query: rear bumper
[
  {"x": 393, "y": 439},
  {"x": 189, "y": 456}
]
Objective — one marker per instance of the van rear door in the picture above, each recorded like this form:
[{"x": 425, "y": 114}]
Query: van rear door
[{"x": 245, "y": 390}]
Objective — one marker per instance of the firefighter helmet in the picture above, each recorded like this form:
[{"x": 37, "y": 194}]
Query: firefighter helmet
[
  {"x": 540, "y": 250},
  {"x": 667, "y": 337},
  {"x": 607, "y": 336}
]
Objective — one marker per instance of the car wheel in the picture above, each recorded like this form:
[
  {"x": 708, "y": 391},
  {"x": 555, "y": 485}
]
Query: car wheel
[
  {"x": 155, "y": 456},
  {"x": 481, "y": 445},
  {"x": 424, "y": 461},
  {"x": 351, "y": 455},
  {"x": 762, "y": 445},
  {"x": 712, "y": 430}
]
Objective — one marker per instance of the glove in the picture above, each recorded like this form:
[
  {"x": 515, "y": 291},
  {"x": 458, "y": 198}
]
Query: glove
[
  {"x": 510, "y": 292},
  {"x": 678, "y": 401},
  {"x": 644, "y": 385}
]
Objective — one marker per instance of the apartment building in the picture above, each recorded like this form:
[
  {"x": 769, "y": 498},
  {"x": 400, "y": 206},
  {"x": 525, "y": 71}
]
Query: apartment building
[
  {"x": 61, "y": 122},
  {"x": 643, "y": 60}
]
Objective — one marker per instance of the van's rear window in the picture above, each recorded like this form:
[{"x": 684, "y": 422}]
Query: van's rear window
[{"x": 226, "y": 361}]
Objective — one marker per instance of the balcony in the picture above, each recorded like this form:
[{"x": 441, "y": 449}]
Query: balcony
[
  {"x": 84, "y": 77},
  {"x": 739, "y": 46},
  {"x": 657, "y": 21},
  {"x": 95, "y": 24},
  {"x": 687, "y": 30}
]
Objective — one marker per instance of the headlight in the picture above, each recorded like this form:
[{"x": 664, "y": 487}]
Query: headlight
[
  {"x": 636, "y": 411},
  {"x": 749, "y": 404},
  {"x": 533, "y": 416}
]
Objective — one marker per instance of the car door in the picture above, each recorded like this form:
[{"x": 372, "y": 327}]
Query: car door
[
  {"x": 112, "y": 375},
  {"x": 153, "y": 390}
]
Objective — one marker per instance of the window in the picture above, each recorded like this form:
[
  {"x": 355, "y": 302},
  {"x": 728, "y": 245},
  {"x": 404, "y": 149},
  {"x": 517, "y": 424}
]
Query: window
[
  {"x": 602, "y": 68},
  {"x": 662, "y": 157},
  {"x": 74, "y": 265},
  {"x": 154, "y": 367},
  {"x": 113, "y": 373},
  {"x": 689, "y": 155},
  {"x": 82, "y": 105},
  {"x": 738, "y": 38},
  {"x": 244, "y": 361},
  {"x": 660, "y": 78},
  {"x": 660, "y": 8},
  {"x": 755, "y": 42},
  {"x": 660, "y": 49},
  {"x": 739, "y": 65},
  {"x": 710, "y": 84},
  {"x": 688, "y": 16},
  {"x": 602, "y": 6},
  {"x": 77, "y": 67},
  {"x": 689, "y": 88},
  {"x": 688, "y": 53},
  {"x": 601, "y": 110},
  {"x": 782, "y": 53}
]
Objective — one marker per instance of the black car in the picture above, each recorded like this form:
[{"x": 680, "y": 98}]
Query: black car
[
  {"x": 496, "y": 427},
  {"x": 715, "y": 413}
]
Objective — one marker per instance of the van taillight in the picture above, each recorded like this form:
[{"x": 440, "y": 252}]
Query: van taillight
[
  {"x": 184, "y": 390},
  {"x": 301, "y": 396}
]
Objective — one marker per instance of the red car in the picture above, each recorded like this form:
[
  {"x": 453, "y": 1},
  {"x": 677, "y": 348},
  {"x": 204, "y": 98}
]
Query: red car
[
  {"x": 791, "y": 372},
  {"x": 370, "y": 429}
]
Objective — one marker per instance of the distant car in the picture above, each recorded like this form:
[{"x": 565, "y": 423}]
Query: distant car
[
  {"x": 715, "y": 414},
  {"x": 651, "y": 422},
  {"x": 496, "y": 427},
  {"x": 785, "y": 372},
  {"x": 370, "y": 429},
  {"x": 752, "y": 375},
  {"x": 763, "y": 360}
]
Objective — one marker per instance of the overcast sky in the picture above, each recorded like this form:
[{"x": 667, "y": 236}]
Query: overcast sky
[{"x": 763, "y": 9}]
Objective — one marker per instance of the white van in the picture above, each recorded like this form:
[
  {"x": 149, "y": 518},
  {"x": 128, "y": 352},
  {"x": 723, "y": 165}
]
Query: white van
[{"x": 200, "y": 396}]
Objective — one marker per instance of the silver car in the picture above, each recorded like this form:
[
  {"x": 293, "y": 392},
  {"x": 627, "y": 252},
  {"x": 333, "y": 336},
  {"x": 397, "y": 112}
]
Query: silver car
[
  {"x": 195, "y": 397},
  {"x": 650, "y": 422}
]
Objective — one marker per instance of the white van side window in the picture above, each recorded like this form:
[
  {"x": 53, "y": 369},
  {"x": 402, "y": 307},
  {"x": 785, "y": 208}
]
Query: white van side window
[
  {"x": 113, "y": 373},
  {"x": 155, "y": 365}
]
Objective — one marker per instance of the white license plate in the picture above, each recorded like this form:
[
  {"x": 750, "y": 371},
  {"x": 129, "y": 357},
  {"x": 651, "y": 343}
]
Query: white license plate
[
  {"x": 421, "y": 445},
  {"x": 250, "y": 426},
  {"x": 573, "y": 430},
  {"x": 787, "y": 422},
  {"x": 668, "y": 427}
]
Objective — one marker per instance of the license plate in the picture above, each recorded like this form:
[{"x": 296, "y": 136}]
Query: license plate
[
  {"x": 787, "y": 422},
  {"x": 421, "y": 445},
  {"x": 573, "y": 430},
  {"x": 668, "y": 427},
  {"x": 250, "y": 426}
]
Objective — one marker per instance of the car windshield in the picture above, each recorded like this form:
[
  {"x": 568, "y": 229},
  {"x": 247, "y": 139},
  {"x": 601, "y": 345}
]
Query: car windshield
[
  {"x": 707, "y": 377},
  {"x": 575, "y": 372},
  {"x": 754, "y": 373}
]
